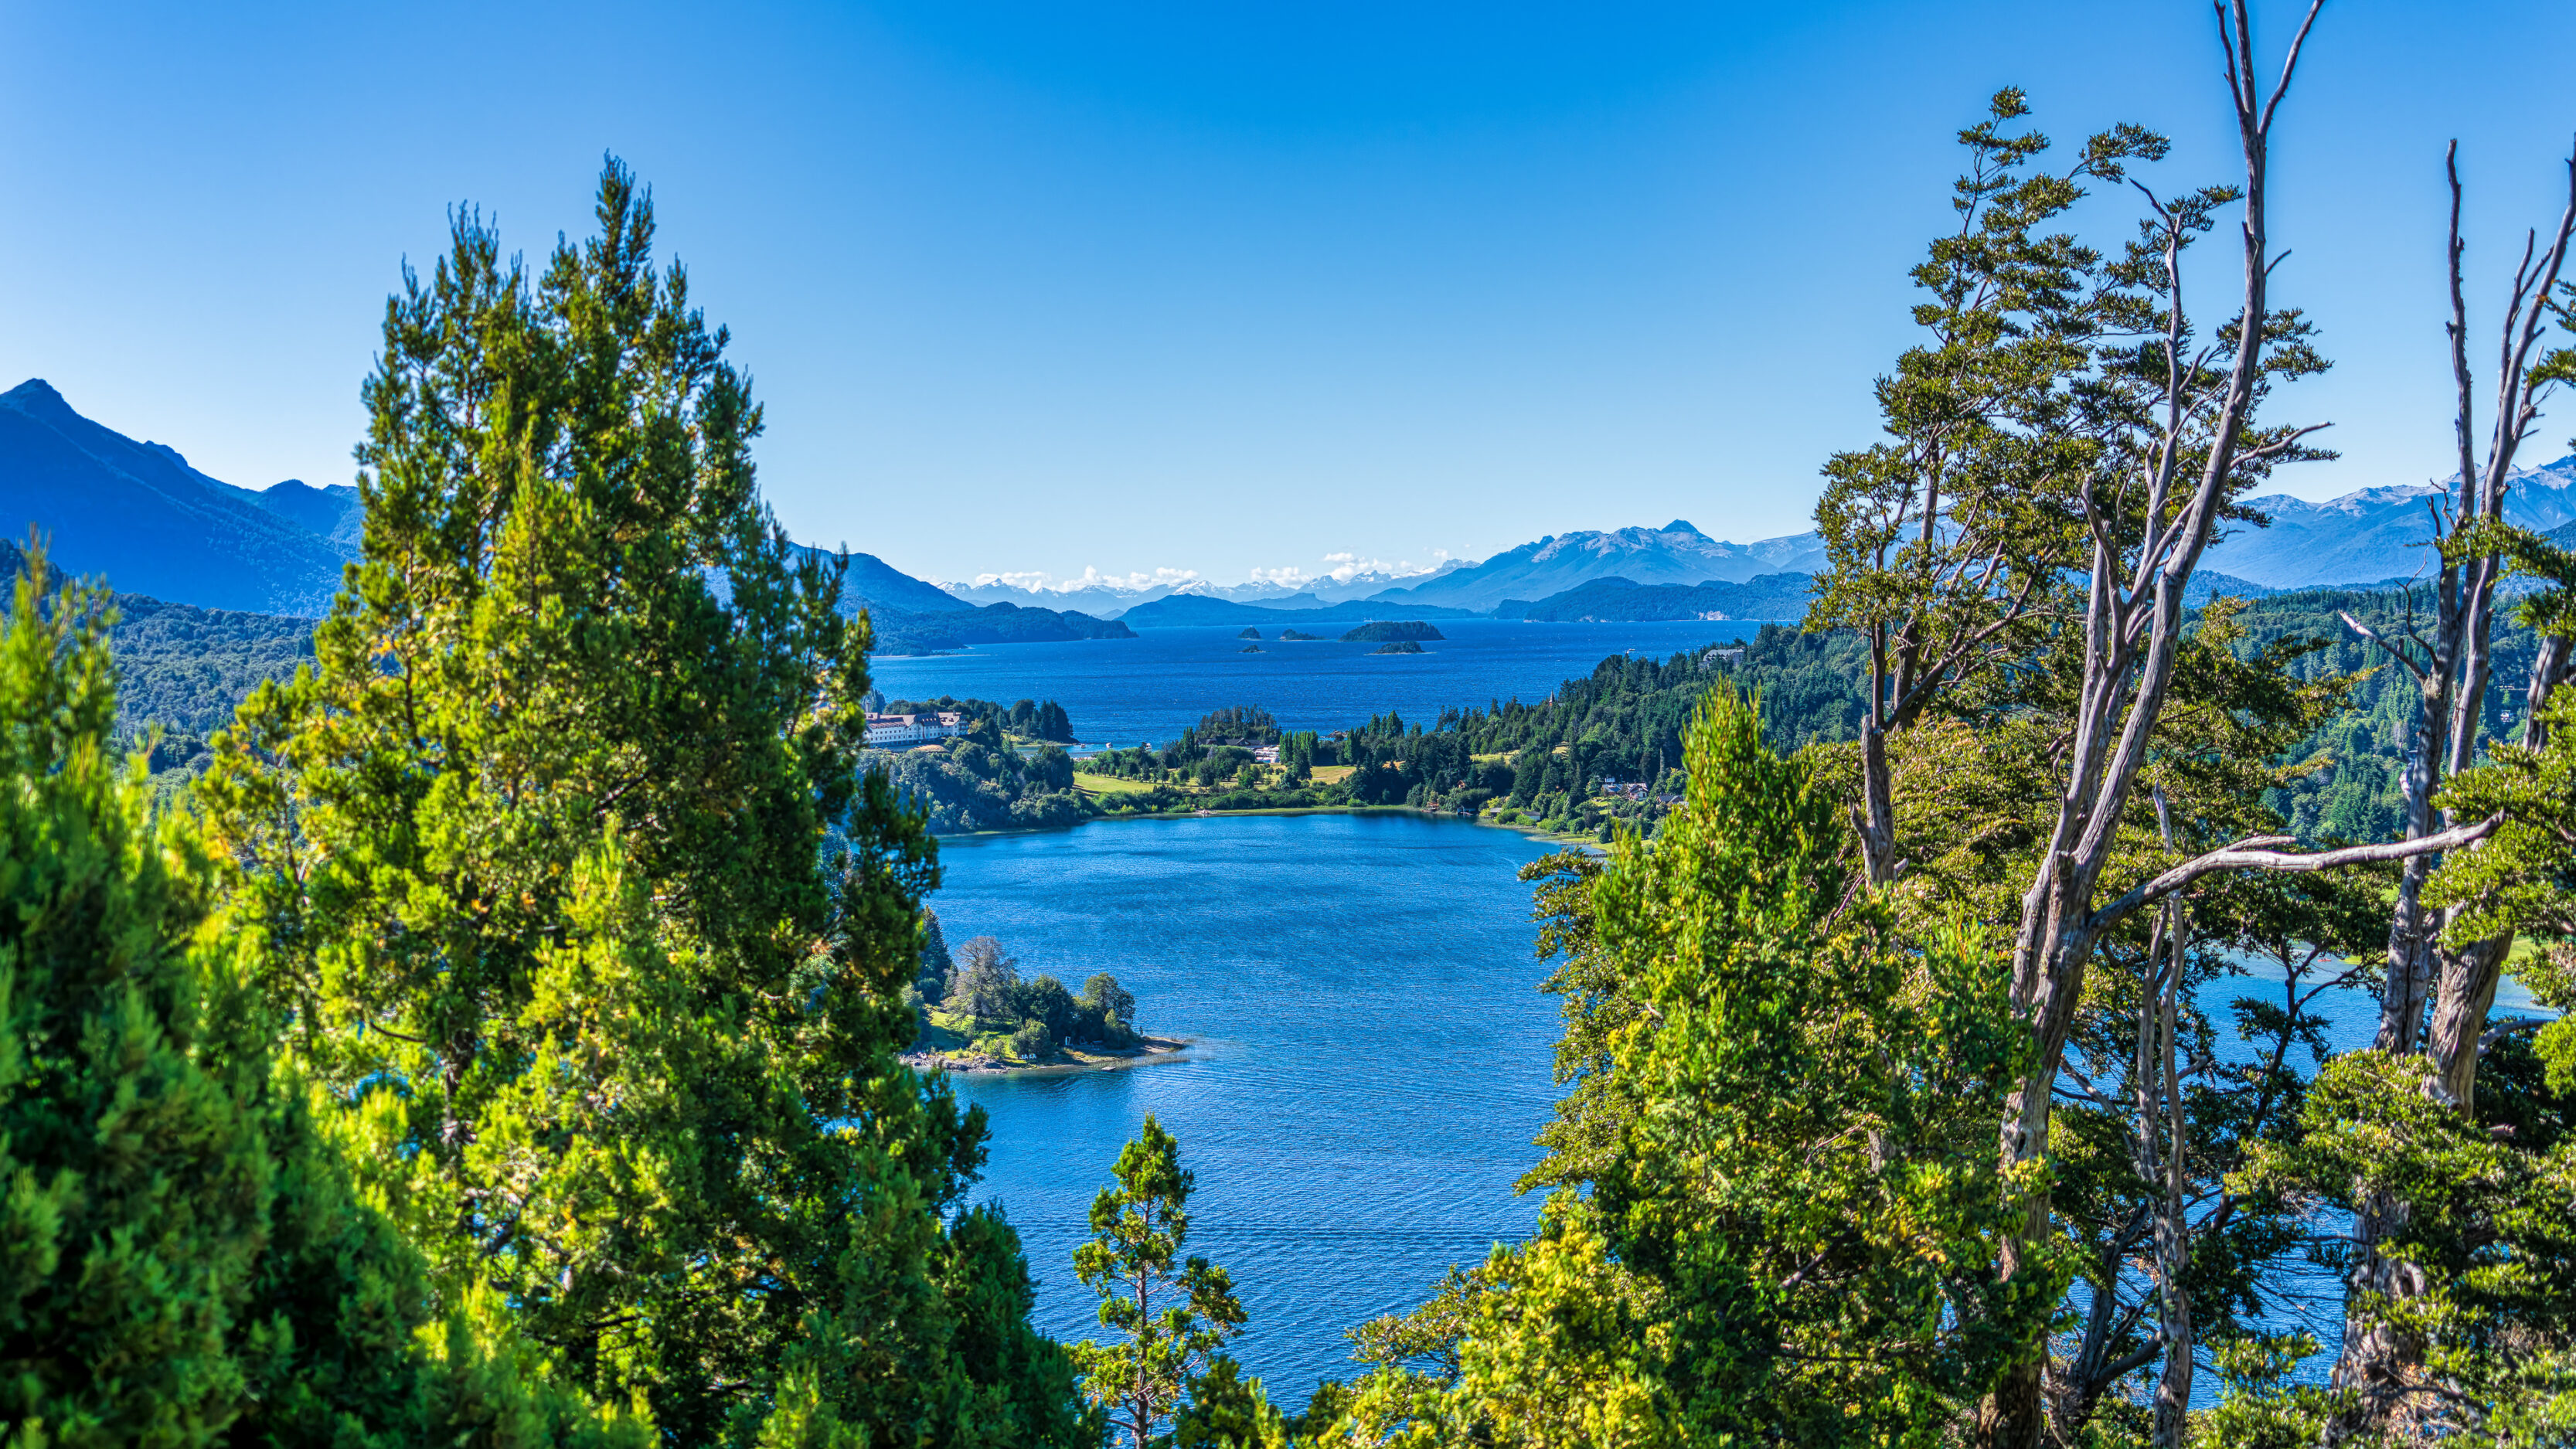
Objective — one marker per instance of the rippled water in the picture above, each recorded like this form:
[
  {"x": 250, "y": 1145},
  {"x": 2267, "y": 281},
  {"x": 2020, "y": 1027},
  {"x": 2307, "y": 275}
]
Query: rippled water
[
  {"x": 1122, "y": 691},
  {"x": 1377, "y": 1058}
]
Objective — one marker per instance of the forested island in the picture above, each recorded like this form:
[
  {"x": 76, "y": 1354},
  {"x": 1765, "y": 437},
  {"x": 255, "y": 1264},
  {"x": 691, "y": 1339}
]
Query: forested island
[{"x": 1388, "y": 631}]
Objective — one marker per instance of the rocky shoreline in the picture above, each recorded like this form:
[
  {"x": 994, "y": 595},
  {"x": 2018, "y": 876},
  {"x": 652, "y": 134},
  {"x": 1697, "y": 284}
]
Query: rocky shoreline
[{"x": 1151, "y": 1049}]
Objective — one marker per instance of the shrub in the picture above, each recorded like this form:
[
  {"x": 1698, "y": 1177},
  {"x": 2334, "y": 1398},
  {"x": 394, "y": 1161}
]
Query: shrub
[{"x": 1032, "y": 1041}]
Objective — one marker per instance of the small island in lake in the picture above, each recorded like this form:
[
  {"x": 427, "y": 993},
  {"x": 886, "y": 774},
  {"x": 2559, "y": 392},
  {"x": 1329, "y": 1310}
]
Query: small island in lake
[
  {"x": 1249, "y": 633},
  {"x": 975, "y": 1014},
  {"x": 1400, "y": 646},
  {"x": 1388, "y": 631},
  {"x": 1254, "y": 649},
  {"x": 1297, "y": 634}
]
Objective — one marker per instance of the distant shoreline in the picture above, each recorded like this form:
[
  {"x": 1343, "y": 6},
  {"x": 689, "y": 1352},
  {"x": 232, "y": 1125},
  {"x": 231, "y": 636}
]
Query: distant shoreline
[{"x": 1583, "y": 842}]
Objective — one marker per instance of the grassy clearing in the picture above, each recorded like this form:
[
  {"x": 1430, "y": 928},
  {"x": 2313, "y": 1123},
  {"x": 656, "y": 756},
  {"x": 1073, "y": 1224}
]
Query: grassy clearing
[{"x": 1108, "y": 785}]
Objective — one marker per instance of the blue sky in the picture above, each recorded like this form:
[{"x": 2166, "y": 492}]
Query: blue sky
[{"x": 1153, "y": 286}]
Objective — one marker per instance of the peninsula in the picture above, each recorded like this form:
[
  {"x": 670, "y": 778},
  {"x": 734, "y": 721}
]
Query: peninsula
[{"x": 973, "y": 1013}]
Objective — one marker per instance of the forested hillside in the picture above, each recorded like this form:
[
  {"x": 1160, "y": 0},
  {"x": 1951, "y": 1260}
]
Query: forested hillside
[
  {"x": 2352, "y": 790},
  {"x": 984, "y": 779},
  {"x": 1767, "y": 596},
  {"x": 901, "y": 632},
  {"x": 182, "y": 670}
]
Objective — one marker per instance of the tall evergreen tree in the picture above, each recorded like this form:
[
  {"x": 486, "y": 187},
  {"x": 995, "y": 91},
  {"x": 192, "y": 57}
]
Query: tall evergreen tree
[
  {"x": 532, "y": 856},
  {"x": 186, "y": 1260},
  {"x": 1174, "y": 1314},
  {"x": 936, "y": 964},
  {"x": 1791, "y": 1220}
]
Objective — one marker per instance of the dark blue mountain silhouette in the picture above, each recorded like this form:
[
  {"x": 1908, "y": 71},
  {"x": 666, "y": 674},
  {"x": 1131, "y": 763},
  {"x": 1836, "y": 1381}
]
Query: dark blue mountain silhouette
[{"x": 138, "y": 516}]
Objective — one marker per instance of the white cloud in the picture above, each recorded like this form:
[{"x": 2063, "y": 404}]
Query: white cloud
[
  {"x": 1342, "y": 568},
  {"x": 1039, "y": 581},
  {"x": 1347, "y": 566},
  {"x": 1093, "y": 578}
]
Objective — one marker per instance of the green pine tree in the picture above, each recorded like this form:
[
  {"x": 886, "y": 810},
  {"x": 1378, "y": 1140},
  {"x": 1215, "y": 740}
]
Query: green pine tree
[
  {"x": 1228, "y": 1411},
  {"x": 532, "y": 861},
  {"x": 136, "y": 1181},
  {"x": 1784, "y": 1119},
  {"x": 1174, "y": 1314},
  {"x": 186, "y": 1259}
]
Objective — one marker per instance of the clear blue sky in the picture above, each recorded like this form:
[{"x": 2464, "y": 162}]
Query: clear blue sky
[{"x": 1048, "y": 286}]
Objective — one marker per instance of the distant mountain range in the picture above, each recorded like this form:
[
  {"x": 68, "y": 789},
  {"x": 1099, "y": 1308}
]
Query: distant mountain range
[
  {"x": 1677, "y": 553},
  {"x": 1673, "y": 554},
  {"x": 336, "y": 513},
  {"x": 1178, "y": 609},
  {"x": 1107, "y": 598},
  {"x": 871, "y": 581},
  {"x": 139, "y": 515},
  {"x": 2375, "y": 534}
]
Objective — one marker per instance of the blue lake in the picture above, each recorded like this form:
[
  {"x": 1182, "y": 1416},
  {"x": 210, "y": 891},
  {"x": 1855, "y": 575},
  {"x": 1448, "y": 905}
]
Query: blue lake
[
  {"x": 1375, "y": 1057},
  {"x": 1122, "y": 691},
  {"x": 1376, "y": 1060}
]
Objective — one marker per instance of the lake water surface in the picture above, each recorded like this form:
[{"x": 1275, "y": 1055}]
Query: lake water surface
[
  {"x": 1122, "y": 691},
  {"x": 1375, "y": 1061},
  {"x": 1377, "y": 1056}
]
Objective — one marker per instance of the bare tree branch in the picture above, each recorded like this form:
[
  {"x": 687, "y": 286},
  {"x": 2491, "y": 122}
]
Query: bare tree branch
[
  {"x": 2253, "y": 853},
  {"x": 2508, "y": 1026},
  {"x": 2391, "y": 650}
]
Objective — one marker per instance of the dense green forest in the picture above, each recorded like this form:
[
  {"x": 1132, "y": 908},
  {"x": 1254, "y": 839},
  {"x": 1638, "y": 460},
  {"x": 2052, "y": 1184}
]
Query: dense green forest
[
  {"x": 2349, "y": 788},
  {"x": 182, "y": 671}
]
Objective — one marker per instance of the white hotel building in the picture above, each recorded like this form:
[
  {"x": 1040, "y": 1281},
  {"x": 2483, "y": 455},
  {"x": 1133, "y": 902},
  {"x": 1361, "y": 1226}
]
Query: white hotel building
[{"x": 891, "y": 731}]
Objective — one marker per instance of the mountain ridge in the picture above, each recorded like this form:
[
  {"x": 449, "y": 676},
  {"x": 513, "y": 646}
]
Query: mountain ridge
[
  {"x": 138, "y": 515},
  {"x": 1677, "y": 553},
  {"x": 2373, "y": 534}
]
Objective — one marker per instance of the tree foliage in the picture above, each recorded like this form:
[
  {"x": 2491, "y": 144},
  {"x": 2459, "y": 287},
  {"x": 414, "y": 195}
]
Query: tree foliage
[
  {"x": 532, "y": 862},
  {"x": 1788, "y": 1221},
  {"x": 137, "y": 1178},
  {"x": 1172, "y": 1314},
  {"x": 188, "y": 1260}
]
